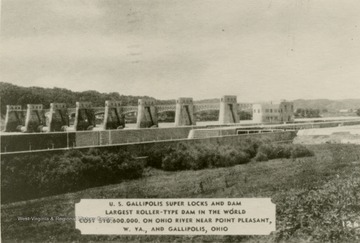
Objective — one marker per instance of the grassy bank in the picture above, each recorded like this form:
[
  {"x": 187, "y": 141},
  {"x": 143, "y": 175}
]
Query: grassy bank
[
  {"x": 30, "y": 176},
  {"x": 299, "y": 187}
]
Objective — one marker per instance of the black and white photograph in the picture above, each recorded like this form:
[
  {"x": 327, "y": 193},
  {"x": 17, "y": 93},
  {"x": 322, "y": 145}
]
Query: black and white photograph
[{"x": 180, "y": 121}]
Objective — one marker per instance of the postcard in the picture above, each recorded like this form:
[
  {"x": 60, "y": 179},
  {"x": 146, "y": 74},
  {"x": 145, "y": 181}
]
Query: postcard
[{"x": 180, "y": 121}]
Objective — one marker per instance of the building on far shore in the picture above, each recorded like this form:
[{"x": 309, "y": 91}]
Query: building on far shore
[
  {"x": 245, "y": 106},
  {"x": 273, "y": 113}
]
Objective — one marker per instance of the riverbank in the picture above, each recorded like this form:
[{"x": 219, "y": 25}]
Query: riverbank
[{"x": 291, "y": 183}]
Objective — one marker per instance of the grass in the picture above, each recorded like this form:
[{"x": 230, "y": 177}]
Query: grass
[{"x": 284, "y": 180}]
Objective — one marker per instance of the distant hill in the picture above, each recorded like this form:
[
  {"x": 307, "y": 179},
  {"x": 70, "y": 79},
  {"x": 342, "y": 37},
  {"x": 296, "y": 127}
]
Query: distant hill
[
  {"x": 330, "y": 105},
  {"x": 16, "y": 95},
  {"x": 321, "y": 104},
  {"x": 214, "y": 100}
]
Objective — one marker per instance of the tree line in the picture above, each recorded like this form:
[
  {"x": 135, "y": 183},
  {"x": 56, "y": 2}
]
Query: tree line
[
  {"x": 307, "y": 113},
  {"x": 16, "y": 95}
]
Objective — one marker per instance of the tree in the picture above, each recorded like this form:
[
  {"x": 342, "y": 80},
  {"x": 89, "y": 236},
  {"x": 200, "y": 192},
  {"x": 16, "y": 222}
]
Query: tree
[{"x": 358, "y": 112}]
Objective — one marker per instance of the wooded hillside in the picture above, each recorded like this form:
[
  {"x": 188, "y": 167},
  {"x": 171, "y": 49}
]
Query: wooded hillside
[{"x": 16, "y": 95}]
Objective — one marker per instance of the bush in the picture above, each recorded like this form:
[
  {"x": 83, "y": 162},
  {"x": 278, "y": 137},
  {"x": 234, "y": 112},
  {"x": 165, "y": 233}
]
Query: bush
[
  {"x": 298, "y": 151},
  {"x": 36, "y": 176},
  {"x": 175, "y": 161},
  {"x": 260, "y": 156},
  {"x": 156, "y": 155},
  {"x": 277, "y": 151},
  {"x": 200, "y": 156},
  {"x": 229, "y": 156},
  {"x": 268, "y": 150},
  {"x": 281, "y": 151},
  {"x": 21, "y": 177},
  {"x": 63, "y": 175},
  {"x": 205, "y": 157},
  {"x": 251, "y": 149},
  {"x": 196, "y": 157},
  {"x": 242, "y": 157}
]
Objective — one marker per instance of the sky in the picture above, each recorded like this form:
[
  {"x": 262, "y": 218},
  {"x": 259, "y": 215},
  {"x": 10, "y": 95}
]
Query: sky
[{"x": 258, "y": 50}]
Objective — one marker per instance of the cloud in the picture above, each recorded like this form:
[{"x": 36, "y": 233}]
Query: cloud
[
  {"x": 76, "y": 9},
  {"x": 194, "y": 48}
]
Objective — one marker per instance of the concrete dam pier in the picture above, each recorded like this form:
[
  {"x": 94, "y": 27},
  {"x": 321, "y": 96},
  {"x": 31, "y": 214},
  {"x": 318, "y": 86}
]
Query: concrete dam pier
[{"x": 37, "y": 119}]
